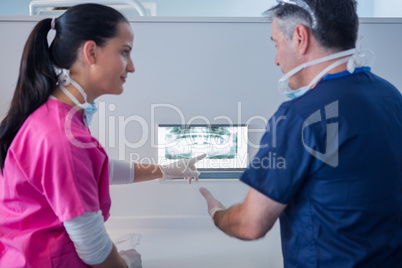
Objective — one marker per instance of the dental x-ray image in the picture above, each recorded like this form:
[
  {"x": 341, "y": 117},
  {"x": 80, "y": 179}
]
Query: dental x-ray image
[
  {"x": 187, "y": 142},
  {"x": 225, "y": 145}
]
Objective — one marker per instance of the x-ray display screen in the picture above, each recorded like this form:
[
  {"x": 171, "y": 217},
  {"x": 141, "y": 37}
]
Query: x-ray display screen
[{"x": 225, "y": 145}]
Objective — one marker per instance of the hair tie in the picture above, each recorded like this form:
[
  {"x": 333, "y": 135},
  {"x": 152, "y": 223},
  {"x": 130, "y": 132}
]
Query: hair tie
[{"x": 53, "y": 24}]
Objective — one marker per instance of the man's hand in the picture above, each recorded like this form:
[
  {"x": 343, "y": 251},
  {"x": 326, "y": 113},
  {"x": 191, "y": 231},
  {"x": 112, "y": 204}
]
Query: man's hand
[{"x": 213, "y": 204}]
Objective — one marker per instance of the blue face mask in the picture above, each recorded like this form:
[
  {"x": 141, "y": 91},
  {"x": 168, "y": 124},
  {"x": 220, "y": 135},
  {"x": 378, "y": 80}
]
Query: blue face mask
[
  {"x": 89, "y": 108},
  {"x": 89, "y": 111}
]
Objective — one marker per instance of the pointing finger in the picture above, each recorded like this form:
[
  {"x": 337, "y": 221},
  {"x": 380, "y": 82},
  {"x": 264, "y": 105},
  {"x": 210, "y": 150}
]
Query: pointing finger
[
  {"x": 207, "y": 194},
  {"x": 196, "y": 159}
]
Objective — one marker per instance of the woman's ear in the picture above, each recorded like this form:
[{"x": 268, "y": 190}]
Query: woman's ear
[
  {"x": 89, "y": 51},
  {"x": 301, "y": 39}
]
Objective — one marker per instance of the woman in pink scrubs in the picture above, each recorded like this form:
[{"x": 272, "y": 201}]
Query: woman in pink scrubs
[{"x": 54, "y": 181}]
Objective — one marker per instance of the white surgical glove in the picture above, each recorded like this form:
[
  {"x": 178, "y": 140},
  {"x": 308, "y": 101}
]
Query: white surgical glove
[
  {"x": 182, "y": 168},
  {"x": 125, "y": 246},
  {"x": 213, "y": 204},
  {"x": 132, "y": 258}
]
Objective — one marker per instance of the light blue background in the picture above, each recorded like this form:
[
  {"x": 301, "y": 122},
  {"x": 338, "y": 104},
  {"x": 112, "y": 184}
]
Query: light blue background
[{"x": 224, "y": 8}]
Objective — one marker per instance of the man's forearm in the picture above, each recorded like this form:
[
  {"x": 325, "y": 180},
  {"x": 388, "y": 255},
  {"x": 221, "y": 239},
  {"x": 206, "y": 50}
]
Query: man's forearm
[
  {"x": 249, "y": 220},
  {"x": 233, "y": 221}
]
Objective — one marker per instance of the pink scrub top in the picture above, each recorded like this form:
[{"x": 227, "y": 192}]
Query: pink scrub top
[{"x": 54, "y": 171}]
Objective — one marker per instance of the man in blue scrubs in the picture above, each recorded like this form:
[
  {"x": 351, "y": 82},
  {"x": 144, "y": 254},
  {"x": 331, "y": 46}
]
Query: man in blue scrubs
[{"x": 336, "y": 185}]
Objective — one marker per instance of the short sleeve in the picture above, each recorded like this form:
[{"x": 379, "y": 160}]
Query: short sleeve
[
  {"x": 72, "y": 179},
  {"x": 281, "y": 165}
]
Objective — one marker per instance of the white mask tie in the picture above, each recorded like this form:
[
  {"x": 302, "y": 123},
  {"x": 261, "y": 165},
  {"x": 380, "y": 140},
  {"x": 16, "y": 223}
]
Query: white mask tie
[
  {"x": 89, "y": 109},
  {"x": 357, "y": 58}
]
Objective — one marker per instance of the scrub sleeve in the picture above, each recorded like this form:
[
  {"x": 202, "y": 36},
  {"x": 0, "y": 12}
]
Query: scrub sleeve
[{"x": 282, "y": 164}]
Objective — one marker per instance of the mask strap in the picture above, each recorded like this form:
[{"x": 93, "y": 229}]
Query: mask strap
[
  {"x": 80, "y": 89},
  {"x": 64, "y": 80},
  {"x": 327, "y": 69},
  {"x": 63, "y": 76},
  {"x": 69, "y": 94},
  {"x": 317, "y": 61}
]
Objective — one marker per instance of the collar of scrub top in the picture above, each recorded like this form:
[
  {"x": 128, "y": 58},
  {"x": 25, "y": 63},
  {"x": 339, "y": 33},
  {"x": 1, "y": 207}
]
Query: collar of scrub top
[
  {"x": 346, "y": 73},
  {"x": 303, "y": 5}
]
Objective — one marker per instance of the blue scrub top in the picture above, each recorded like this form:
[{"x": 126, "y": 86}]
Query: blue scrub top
[{"x": 334, "y": 156}]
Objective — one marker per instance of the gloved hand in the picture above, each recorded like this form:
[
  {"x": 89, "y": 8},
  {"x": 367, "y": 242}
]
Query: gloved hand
[
  {"x": 182, "y": 168},
  {"x": 132, "y": 258},
  {"x": 213, "y": 204}
]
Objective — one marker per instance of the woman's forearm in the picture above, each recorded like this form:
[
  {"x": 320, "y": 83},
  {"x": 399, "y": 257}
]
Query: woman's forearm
[
  {"x": 113, "y": 260},
  {"x": 144, "y": 172}
]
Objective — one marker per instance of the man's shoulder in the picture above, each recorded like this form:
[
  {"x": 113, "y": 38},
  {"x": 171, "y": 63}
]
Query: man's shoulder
[{"x": 348, "y": 89}]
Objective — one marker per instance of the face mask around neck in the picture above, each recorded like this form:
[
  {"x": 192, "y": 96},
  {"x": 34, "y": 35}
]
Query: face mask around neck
[
  {"x": 89, "y": 108},
  {"x": 283, "y": 83}
]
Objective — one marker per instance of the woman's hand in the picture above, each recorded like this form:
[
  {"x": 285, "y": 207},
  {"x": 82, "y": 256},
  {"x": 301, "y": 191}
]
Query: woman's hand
[{"x": 182, "y": 168}]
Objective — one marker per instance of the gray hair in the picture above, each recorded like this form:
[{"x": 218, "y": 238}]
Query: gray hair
[
  {"x": 289, "y": 18},
  {"x": 336, "y": 21}
]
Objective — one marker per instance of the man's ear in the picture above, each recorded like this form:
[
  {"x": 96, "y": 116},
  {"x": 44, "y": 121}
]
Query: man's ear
[
  {"x": 301, "y": 39},
  {"x": 89, "y": 51}
]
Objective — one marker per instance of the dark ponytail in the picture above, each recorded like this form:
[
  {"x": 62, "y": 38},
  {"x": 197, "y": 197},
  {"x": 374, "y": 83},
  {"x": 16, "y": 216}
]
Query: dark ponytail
[{"x": 37, "y": 79}]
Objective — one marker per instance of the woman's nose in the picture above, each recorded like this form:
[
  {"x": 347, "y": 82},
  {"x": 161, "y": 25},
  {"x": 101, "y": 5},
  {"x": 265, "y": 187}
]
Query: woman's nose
[{"x": 130, "y": 66}]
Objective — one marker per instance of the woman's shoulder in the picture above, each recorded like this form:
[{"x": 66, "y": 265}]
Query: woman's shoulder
[{"x": 53, "y": 123}]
